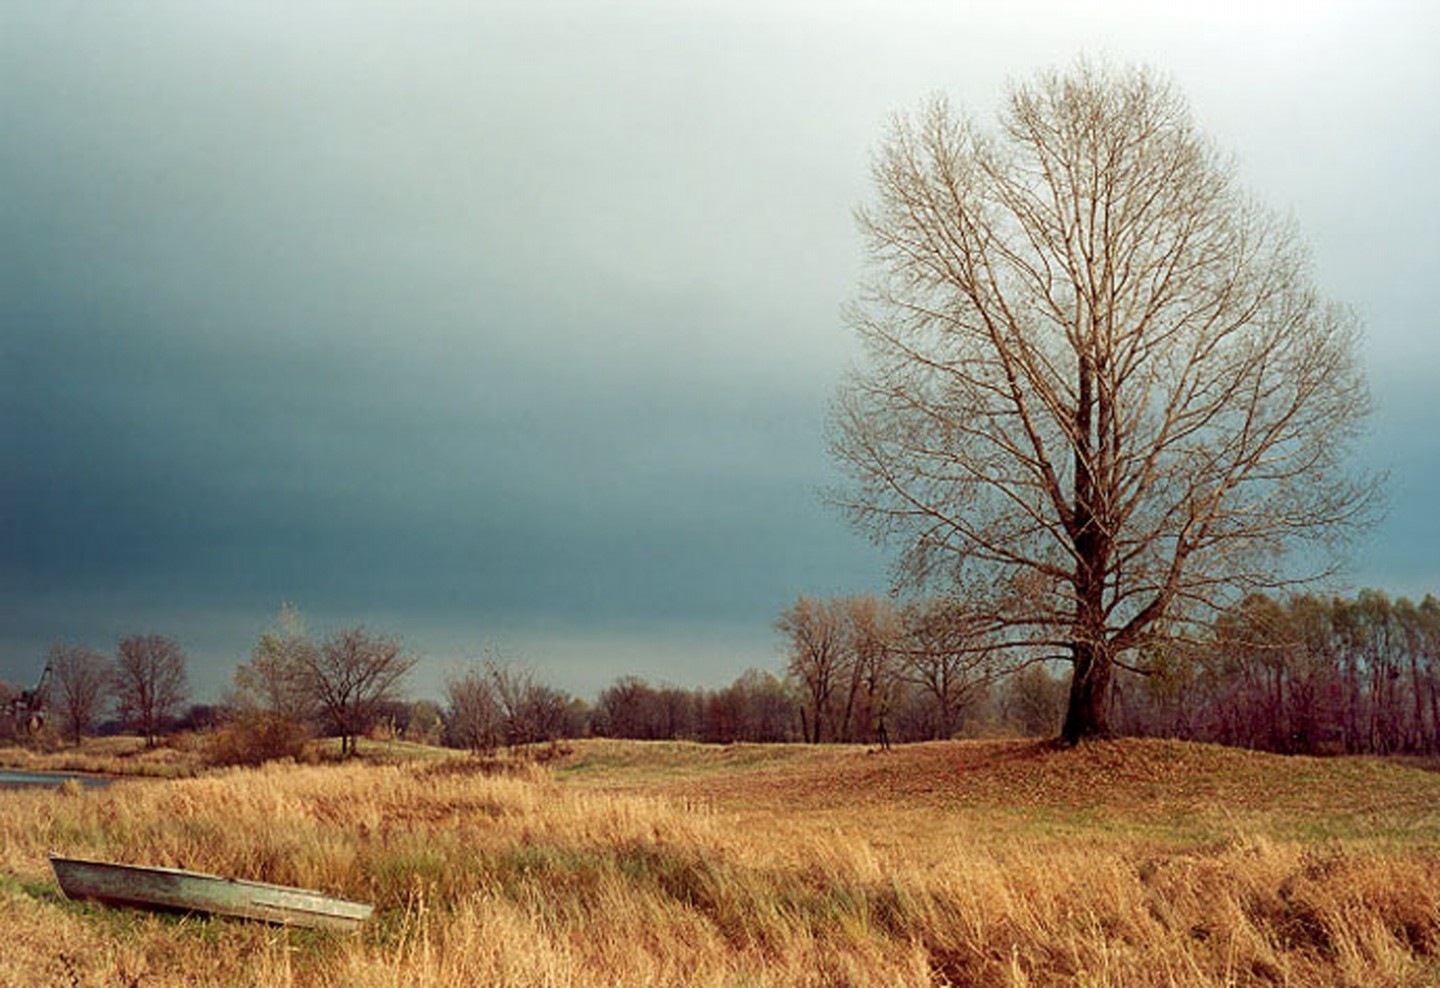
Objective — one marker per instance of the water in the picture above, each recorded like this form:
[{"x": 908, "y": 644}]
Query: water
[{"x": 11, "y": 777}]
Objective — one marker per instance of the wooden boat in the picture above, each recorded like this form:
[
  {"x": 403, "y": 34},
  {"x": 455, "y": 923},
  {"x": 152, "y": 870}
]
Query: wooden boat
[{"x": 194, "y": 891}]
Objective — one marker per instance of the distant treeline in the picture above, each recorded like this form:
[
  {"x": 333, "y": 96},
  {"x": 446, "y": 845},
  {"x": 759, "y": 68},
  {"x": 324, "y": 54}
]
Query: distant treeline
[
  {"x": 1310, "y": 674},
  {"x": 496, "y": 705}
]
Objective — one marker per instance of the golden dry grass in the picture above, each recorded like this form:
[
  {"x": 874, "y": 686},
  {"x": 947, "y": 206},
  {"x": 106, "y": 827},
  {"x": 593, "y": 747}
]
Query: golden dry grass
[
  {"x": 121, "y": 755},
  {"x": 185, "y": 755},
  {"x": 999, "y": 863}
]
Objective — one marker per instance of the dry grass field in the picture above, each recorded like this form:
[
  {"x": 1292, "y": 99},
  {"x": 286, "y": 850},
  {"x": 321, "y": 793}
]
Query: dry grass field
[{"x": 1128, "y": 863}]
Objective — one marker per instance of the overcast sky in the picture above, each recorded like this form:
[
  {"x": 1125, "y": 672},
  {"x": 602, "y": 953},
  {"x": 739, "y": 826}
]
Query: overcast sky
[{"x": 513, "y": 325}]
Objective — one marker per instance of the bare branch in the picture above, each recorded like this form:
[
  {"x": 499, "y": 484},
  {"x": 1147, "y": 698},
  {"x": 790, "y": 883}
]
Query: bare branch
[{"x": 1096, "y": 370}]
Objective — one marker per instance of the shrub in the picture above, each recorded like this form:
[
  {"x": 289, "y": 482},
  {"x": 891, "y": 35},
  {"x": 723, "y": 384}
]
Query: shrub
[{"x": 255, "y": 737}]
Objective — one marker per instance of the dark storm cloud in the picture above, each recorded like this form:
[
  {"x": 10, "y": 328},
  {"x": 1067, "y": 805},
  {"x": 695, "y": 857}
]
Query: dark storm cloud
[
  {"x": 524, "y": 316},
  {"x": 265, "y": 317}
]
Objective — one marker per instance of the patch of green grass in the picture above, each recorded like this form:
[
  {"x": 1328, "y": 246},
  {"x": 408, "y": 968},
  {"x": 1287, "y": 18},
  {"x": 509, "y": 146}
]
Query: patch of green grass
[
  {"x": 637, "y": 762},
  {"x": 391, "y": 751},
  {"x": 43, "y": 890},
  {"x": 396, "y": 874}
]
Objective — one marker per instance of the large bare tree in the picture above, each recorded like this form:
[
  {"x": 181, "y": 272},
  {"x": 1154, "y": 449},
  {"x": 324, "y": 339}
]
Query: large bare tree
[
  {"x": 352, "y": 676},
  {"x": 81, "y": 687},
  {"x": 150, "y": 682},
  {"x": 1098, "y": 375}
]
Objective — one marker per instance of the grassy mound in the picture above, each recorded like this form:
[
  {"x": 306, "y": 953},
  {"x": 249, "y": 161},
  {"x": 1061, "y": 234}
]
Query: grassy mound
[{"x": 1171, "y": 791}]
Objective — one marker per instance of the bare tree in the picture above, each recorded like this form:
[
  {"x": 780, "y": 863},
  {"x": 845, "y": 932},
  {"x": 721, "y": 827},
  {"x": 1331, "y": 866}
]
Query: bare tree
[
  {"x": 351, "y": 676},
  {"x": 1098, "y": 376},
  {"x": 814, "y": 632},
  {"x": 473, "y": 718},
  {"x": 765, "y": 709},
  {"x": 81, "y": 687},
  {"x": 424, "y": 723},
  {"x": 276, "y": 681},
  {"x": 530, "y": 710},
  {"x": 271, "y": 710},
  {"x": 150, "y": 682},
  {"x": 947, "y": 653},
  {"x": 872, "y": 634}
]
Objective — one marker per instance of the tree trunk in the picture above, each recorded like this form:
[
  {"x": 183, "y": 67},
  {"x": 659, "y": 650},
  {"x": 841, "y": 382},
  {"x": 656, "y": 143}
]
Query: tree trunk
[{"x": 1087, "y": 715}]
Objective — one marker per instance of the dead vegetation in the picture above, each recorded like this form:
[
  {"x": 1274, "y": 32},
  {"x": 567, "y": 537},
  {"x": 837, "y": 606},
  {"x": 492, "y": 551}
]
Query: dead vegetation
[{"x": 623, "y": 864}]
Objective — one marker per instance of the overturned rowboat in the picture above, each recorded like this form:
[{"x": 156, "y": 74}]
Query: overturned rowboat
[{"x": 195, "y": 891}]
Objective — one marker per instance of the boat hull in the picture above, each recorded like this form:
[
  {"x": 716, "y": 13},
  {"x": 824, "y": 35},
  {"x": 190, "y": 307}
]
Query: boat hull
[{"x": 194, "y": 891}]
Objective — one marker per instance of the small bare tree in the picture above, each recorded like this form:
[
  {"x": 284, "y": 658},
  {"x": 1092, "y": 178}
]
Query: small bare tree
[
  {"x": 272, "y": 710},
  {"x": 150, "y": 682},
  {"x": 276, "y": 681},
  {"x": 947, "y": 653},
  {"x": 872, "y": 634},
  {"x": 814, "y": 630},
  {"x": 351, "y": 676},
  {"x": 81, "y": 687},
  {"x": 1099, "y": 377},
  {"x": 530, "y": 710},
  {"x": 500, "y": 703},
  {"x": 473, "y": 718}
]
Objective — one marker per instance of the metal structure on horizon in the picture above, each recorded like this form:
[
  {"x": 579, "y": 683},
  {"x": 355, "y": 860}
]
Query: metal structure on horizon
[{"x": 27, "y": 710}]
